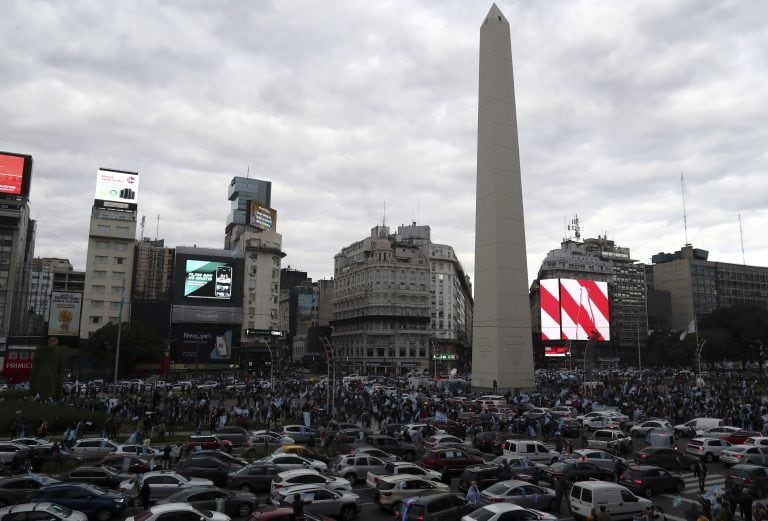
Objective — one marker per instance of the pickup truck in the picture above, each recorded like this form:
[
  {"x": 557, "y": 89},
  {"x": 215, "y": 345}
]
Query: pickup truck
[
  {"x": 400, "y": 467},
  {"x": 610, "y": 440},
  {"x": 405, "y": 450}
]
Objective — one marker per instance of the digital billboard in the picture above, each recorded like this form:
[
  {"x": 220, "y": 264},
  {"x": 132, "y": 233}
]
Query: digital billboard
[
  {"x": 304, "y": 306},
  {"x": 261, "y": 217},
  {"x": 64, "y": 313},
  {"x": 208, "y": 279},
  {"x": 117, "y": 188},
  {"x": 555, "y": 351},
  {"x": 15, "y": 174},
  {"x": 205, "y": 344},
  {"x": 574, "y": 309}
]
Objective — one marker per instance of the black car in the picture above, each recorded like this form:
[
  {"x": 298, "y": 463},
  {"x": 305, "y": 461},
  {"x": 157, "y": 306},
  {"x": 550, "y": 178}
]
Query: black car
[
  {"x": 648, "y": 480},
  {"x": 752, "y": 477},
  {"x": 571, "y": 472},
  {"x": 236, "y": 504},
  {"x": 95, "y": 502},
  {"x": 104, "y": 476},
  {"x": 442, "y": 507},
  {"x": 484, "y": 475},
  {"x": 256, "y": 477},
  {"x": 18, "y": 489},
  {"x": 209, "y": 468},
  {"x": 571, "y": 428},
  {"x": 226, "y": 457},
  {"x": 235, "y": 435},
  {"x": 490, "y": 441},
  {"x": 667, "y": 458}
]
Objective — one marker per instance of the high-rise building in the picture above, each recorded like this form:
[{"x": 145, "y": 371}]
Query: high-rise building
[
  {"x": 397, "y": 299},
  {"x": 697, "y": 285},
  {"x": 43, "y": 272},
  {"x": 242, "y": 193},
  {"x": 152, "y": 283},
  {"x": 502, "y": 350},
  {"x": 111, "y": 249}
]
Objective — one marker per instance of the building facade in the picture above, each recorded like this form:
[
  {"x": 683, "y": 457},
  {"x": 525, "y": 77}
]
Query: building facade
[{"x": 697, "y": 285}]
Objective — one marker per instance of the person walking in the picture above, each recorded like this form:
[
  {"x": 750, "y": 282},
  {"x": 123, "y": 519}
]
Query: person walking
[
  {"x": 745, "y": 505},
  {"x": 473, "y": 494},
  {"x": 144, "y": 495},
  {"x": 700, "y": 471},
  {"x": 558, "y": 493},
  {"x": 603, "y": 515}
]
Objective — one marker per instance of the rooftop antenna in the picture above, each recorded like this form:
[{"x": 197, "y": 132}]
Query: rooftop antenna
[
  {"x": 741, "y": 234},
  {"x": 248, "y": 172},
  {"x": 384, "y": 216},
  {"x": 144, "y": 221},
  {"x": 157, "y": 229},
  {"x": 685, "y": 214},
  {"x": 575, "y": 227}
]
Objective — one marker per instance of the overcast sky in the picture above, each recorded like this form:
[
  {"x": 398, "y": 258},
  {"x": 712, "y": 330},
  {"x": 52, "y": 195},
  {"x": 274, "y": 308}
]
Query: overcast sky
[{"x": 350, "y": 106}]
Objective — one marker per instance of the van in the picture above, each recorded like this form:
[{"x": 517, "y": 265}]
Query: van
[
  {"x": 697, "y": 426},
  {"x": 618, "y": 501},
  {"x": 533, "y": 450}
]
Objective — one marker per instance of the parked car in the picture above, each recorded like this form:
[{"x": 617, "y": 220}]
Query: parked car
[
  {"x": 256, "y": 477},
  {"x": 399, "y": 468},
  {"x": 451, "y": 460},
  {"x": 520, "y": 493},
  {"x": 739, "y": 437},
  {"x": 304, "y": 452},
  {"x": 9, "y": 451},
  {"x": 522, "y": 467},
  {"x": 292, "y": 462},
  {"x": 266, "y": 442},
  {"x": 643, "y": 428},
  {"x": 283, "y": 514},
  {"x": 620, "y": 503},
  {"x": 610, "y": 440},
  {"x": 376, "y": 453},
  {"x": 163, "y": 483},
  {"x": 237, "y": 436},
  {"x": 299, "y": 433},
  {"x": 42, "y": 510},
  {"x": 484, "y": 475},
  {"x": 747, "y": 454},
  {"x": 341, "y": 504},
  {"x": 354, "y": 467},
  {"x": 667, "y": 458},
  {"x": 708, "y": 449},
  {"x": 647, "y": 480},
  {"x": 226, "y": 457},
  {"x": 576, "y": 470},
  {"x": 752, "y": 477},
  {"x": 435, "y": 507},
  {"x": 490, "y": 441},
  {"x": 106, "y": 477},
  {"x": 207, "y": 442},
  {"x": 20, "y": 488},
  {"x": 92, "y": 447},
  {"x": 128, "y": 463},
  {"x": 178, "y": 512},
  {"x": 505, "y": 511},
  {"x": 33, "y": 442},
  {"x": 403, "y": 449},
  {"x": 307, "y": 477},
  {"x": 570, "y": 428},
  {"x": 392, "y": 489},
  {"x": 209, "y": 468},
  {"x": 236, "y": 504},
  {"x": 439, "y": 441},
  {"x": 95, "y": 502},
  {"x": 602, "y": 459},
  {"x": 136, "y": 449},
  {"x": 531, "y": 449}
]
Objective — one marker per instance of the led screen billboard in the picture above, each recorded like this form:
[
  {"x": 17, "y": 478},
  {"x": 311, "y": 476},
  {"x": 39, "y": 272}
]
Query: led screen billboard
[
  {"x": 208, "y": 279},
  {"x": 261, "y": 217},
  {"x": 117, "y": 188},
  {"x": 204, "y": 344},
  {"x": 15, "y": 174},
  {"x": 574, "y": 309},
  {"x": 304, "y": 306},
  {"x": 64, "y": 313},
  {"x": 555, "y": 351}
]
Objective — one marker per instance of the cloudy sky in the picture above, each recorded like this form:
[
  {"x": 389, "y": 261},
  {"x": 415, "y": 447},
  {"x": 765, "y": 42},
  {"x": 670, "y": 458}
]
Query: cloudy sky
[{"x": 350, "y": 106}]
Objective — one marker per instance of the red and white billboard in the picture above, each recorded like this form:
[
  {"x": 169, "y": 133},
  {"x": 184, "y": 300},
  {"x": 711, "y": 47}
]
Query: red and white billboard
[
  {"x": 574, "y": 309},
  {"x": 555, "y": 351},
  {"x": 15, "y": 173}
]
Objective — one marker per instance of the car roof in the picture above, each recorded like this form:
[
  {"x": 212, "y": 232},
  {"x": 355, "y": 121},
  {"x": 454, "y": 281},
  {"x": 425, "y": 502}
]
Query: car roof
[
  {"x": 399, "y": 477},
  {"x": 28, "y": 507},
  {"x": 297, "y": 472},
  {"x": 170, "y": 507},
  {"x": 514, "y": 482},
  {"x": 303, "y": 487},
  {"x": 502, "y": 507}
]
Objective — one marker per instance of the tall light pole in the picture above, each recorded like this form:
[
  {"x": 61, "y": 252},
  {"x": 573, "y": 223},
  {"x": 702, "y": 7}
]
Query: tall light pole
[
  {"x": 119, "y": 328},
  {"x": 271, "y": 365}
]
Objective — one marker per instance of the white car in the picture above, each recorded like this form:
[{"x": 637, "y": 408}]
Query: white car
[
  {"x": 307, "y": 476},
  {"x": 719, "y": 432},
  {"x": 294, "y": 462},
  {"x": 749, "y": 454},
  {"x": 565, "y": 411},
  {"x": 163, "y": 483},
  {"x": 602, "y": 422},
  {"x": 760, "y": 441},
  {"x": 40, "y": 511},
  {"x": 93, "y": 447},
  {"x": 179, "y": 511},
  {"x": 33, "y": 442},
  {"x": 708, "y": 449},
  {"x": 498, "y": 511},
  {"x": 439, "y": 441},
  {"x": 642, "y": 428},
  {"x": 136, "y": 449}
]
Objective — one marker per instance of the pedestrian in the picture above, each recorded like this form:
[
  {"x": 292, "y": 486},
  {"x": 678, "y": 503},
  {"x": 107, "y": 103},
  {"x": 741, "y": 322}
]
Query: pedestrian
[
  {"x": 298, "y": 507},
  {"x": 745, "y": 505},
  {"x": 176, "y": 453},
  {"x": 558, "y": 493},
  {"x": 144, "y": 494},
  {"x": 700, "y": 471},
  {"x": 135, "y": 491},
  {"x": 445, "y": 476},
  {"x": 603, "y": 515},
  {"x": 473, "y": 494}
]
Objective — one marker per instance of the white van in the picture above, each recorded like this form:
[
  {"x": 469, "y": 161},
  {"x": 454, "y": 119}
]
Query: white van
[
  {"x": 533, "y": 450},
  {"x": 618, "y": 501},
  {"x": 697, "y": 427}
]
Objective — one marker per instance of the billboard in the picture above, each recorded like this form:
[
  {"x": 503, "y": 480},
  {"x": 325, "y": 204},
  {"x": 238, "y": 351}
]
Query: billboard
[
  {"x": 304, "y": 306},
  {"x": 555, "y": 351},
  {"x": 208, "y": 279},
  {"x": 574, "y": 309},
  {"x": 64, "y": 313},
  {"x": 15, "y": 174},
  {"x": 117, "y": 189},
  {"x": 205, "y": 344},
  {"x": 261, "y": 217}
]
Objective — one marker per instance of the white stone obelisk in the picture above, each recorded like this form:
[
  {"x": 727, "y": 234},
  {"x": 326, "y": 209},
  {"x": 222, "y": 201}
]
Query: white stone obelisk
[{"x": 502, "y": 349}]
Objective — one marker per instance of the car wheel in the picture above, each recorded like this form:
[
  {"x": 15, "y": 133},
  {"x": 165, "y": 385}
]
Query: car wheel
[
  {"x": 709, "y": 457},
  {"x": 246, "y": 488},
  {"x": 244, "y": 510},
  {"x": 348, "y": 513},
  {"x": 351, "y": 477},
  {"x": 251, "y": 454},
  {"x": 680, "y": 486},
  {"x": 648, "y": 492},
  {"x": 104, "y": 514}
]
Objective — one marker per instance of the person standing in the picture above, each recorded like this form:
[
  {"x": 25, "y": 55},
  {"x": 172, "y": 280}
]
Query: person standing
[
  {"x": 700, "y": 471},
  {"x": 745, "y": 505},
  {"x": 298, "y": 507},
  {"x": 473, "y": 494},
  {"x": 144, "y": 494},
  {"x": 558, "y": 493},
  {"x": 603, "y": 515}
]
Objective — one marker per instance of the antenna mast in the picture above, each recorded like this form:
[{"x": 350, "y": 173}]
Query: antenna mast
[
  {"x": 144, "y": 221},
  {"x": 384, "y": 216},
  {"x": 685, "y": 214},
  {"x": 741, "y": 234},
  {"x": 157, "y": 229},
  {"x": 575, "y": 227}
]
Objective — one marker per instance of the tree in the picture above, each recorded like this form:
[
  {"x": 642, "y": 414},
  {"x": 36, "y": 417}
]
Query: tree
[
  {"x": 735, "y": 333},
  {"x": 49, "y": 369},
  {"x": 139, "y": 344}
]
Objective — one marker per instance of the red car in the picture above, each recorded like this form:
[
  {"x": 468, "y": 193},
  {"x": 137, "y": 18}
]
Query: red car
[
  {"x": 739, "y": 437},
  {"x": 207, "y": 442},
  {"x": 452, "y": 460},
  {"x": 284, "y": 514}
]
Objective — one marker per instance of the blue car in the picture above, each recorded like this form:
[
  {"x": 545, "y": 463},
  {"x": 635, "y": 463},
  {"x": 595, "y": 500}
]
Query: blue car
[{"x": 95, "y": 502}]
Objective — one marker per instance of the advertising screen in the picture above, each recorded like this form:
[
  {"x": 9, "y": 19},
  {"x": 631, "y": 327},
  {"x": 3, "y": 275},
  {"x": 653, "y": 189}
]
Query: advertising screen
[
  {"x": 574, "y": 309},
  {"x": 15, "y": 173},
  {"x": 304, "y": 306},
  {"x": 555, "y": 351},
  {"x": 261, "y": 217},
  {"x": 64, "y": 313},
  {"x": 117, "y": 186},
  {"x": 206, "y": 345},
  {"x": 208, "y": 279}
]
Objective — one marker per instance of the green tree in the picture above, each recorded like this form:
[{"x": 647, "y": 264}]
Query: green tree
[
  {"x": 49, "y": 370},
  {"x": 735, "y": 333},
  {"x": 664, "y": 348},
  {"x": 139, "y": 344}
]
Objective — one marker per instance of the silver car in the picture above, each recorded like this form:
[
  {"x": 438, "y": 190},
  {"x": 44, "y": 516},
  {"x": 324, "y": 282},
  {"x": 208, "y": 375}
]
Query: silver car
[
  {"x": 376, "y": 453},
  {"x": 293, "y": 462},
  {"x": 320, "y": 500},
  {"x": 353, "y": 467},
  {"x": 163, "y": 483},
  {"x": 708, "y": 449},
  {"x": 93, "y": 447},
  {"x": 43, "y": 510},
  {"x": 520, "y": 493},
  {"x": 749, "y": 454},
  {"x": 599, "y": 458}
]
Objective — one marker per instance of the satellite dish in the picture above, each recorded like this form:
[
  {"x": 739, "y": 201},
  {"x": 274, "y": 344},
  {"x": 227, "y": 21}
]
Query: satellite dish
[{"x": 453, "y": 372}]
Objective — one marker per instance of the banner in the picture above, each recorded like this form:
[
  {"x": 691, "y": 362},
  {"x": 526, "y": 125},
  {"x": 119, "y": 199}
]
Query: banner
[
  {"x": 203, "y": 345},
  {"x": 64, "y": 313}
]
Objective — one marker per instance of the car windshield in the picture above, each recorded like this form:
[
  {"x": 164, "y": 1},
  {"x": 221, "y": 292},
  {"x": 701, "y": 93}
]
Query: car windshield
[
  {"x": 59, "y": 510},
  {"x": 481, "y": 514},
  {"x": 97, "y": 489},
  {"x": 497, "y": 488}
]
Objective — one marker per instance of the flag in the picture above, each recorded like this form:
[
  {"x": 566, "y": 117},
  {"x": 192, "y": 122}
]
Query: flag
[{"x": 690, "y": 329}]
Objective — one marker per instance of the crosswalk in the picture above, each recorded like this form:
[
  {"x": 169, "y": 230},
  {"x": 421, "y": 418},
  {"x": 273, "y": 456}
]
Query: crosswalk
[{"x": 715, "y": 483}]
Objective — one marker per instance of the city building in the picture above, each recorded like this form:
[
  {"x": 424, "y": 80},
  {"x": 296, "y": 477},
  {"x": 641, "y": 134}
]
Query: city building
[
  {"x": 306, "y": 311},
  {"x": 37, "y": 299},
  {"x": 152, "y": 281},
  {"x": 397, "y": 299},
  {"x": 697, "y": 285},
  {"x": 599, "y": 259}
]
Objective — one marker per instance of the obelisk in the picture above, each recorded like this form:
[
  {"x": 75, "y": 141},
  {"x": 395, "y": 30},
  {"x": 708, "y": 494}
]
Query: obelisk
[{"x": 502, "y": 349}]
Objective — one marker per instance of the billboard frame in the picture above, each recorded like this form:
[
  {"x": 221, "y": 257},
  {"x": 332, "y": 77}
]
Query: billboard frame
[{"x": 26, "y": 177}]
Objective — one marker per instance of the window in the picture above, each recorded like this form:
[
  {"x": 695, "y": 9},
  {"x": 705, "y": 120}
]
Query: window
[
  {"x": 97, "y": 304},
  {"x": 122, "y": 230},
  {"x": 98, "y": 274},
  {"x": 98, "y": 289},
  {"x": 117, "y": 290},
  {"x": 120, "y": 260},
  {"x": 102, "y": 245},
  {"x": 94, "y": 320},
  {"x": 103, "y": 228},
  {"x": 100, "y": 259},
  {"x": 121, "y": 246},
  {"x": 118, "y": 275}
]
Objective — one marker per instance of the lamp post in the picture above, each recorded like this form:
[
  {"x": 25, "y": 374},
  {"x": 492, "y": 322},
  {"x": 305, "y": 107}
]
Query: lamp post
[
  {"x": 271, "y": 365},
  {"x": 119, "y": 328}
]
